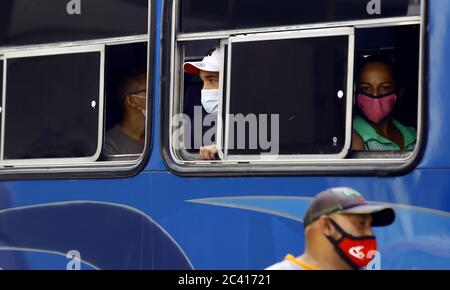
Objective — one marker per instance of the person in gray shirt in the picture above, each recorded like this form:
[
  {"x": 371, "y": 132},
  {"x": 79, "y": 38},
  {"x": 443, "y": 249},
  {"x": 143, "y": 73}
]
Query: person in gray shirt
[{"x": 128, "y": 137}]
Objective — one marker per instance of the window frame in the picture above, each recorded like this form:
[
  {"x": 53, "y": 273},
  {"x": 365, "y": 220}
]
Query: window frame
[
  {"x": 399, "y": 165},
  {"x": 99, "y": 168},
  {"x": 302, "y": 34},
  {"x": 101, "y": 98}
]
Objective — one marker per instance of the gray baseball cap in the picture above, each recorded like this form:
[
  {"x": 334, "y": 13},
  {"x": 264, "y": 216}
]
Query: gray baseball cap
[{"x": 347, "y": 201}]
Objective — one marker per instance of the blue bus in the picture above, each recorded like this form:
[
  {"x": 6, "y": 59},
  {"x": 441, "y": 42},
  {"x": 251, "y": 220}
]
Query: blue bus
[{"x": 66, "y": 204}]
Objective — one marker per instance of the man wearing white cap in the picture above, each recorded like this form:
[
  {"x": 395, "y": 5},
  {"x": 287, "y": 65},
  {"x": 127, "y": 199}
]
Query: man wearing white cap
[{"x": 208, "y": 71}]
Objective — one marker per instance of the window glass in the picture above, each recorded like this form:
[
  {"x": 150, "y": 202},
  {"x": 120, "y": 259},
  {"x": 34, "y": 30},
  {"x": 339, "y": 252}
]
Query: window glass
[
  {"x": 302, "y": 82},
  {"x": 52, "y": 106},
  {"x": 25, "y": 22},
  {"x": 201, "y": 16}
]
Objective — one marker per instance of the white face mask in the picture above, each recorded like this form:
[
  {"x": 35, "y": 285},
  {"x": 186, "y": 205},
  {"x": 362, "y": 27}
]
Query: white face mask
[
  {"x": 144, "y": 111},
  {"x": 210, "y": 100}
]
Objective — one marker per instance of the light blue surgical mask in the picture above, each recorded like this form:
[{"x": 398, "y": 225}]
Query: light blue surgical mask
[{"x": 210, "y": 100}]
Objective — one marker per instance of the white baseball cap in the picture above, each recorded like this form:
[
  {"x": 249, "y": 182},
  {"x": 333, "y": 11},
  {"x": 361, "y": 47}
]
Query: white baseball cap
[{"x": 211, "y": 62}]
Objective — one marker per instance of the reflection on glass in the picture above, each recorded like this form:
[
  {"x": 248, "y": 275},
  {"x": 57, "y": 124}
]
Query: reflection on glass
[
  {"x": 200, "y": 15},
  {"x": 28, "y": 22},
  {"x": 48, "y": 106}
]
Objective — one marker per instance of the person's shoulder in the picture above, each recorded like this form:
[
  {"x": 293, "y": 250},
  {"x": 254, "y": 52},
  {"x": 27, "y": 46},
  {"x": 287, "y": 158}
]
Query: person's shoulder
[
  {"x": 114, "y": 131},
  {"x": 410, "y": 130},
  {"x": 357, "y": 142},
  {"x": 112, "y": 141},
  {"x": 284, "y": 265},
  {"x": 409, "y": 133},
  {"x": 363, "y": 128}
]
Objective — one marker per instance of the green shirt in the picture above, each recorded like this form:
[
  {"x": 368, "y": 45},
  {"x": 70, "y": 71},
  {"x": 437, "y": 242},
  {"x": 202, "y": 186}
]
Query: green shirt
[{"x": 375, "y": 142}]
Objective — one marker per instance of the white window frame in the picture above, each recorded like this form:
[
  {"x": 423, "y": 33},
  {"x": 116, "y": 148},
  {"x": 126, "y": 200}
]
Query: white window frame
[
  {"x": 54, "y": 52},
  {"x": 124, "y": 165},
  {"x": 302, "y": 34},
  {"x": 67, "y": 165}
]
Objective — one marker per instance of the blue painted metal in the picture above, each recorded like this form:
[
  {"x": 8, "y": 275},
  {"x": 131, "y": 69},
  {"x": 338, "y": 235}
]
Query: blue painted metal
[{"x": 439, "y": 87}]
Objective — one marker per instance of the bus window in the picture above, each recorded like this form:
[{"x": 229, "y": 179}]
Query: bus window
[
  {"x": 126, "y": 67},
  {"x": 288, "y": 84},
  {"x": 53, "y": 106},
  {"x": 390, "y": 53},
  {"x": 300, "y": 83},
  {"x": 190, "y": 106},
  {"x": 274, "y": 90},
  {"x": 64, "y": 66},
  {"x": 29, "y": 22}
]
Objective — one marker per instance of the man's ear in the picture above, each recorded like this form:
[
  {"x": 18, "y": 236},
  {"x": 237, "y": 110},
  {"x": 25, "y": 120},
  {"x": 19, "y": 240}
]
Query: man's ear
[
  {"x": 131, "y": 101},
  {"x": 326, "y": 227}
]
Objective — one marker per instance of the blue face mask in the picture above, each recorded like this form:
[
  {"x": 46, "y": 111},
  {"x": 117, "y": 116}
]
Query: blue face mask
[{"x": 210, "y": 100}]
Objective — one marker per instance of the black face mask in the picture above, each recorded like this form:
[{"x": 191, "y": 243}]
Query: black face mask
[{"x": 355, "y": 251}]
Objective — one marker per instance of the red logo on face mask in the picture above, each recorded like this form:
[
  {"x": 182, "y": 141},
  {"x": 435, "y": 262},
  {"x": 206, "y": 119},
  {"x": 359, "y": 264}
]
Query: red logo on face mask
[{"x": 358, "y": 250}]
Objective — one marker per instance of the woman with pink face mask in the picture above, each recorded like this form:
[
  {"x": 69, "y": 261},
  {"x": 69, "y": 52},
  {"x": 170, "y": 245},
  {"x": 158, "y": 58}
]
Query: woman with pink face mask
[{"x": 376, "y": 97}]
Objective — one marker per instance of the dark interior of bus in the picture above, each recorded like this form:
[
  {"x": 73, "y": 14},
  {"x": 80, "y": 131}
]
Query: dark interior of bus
[
  {"x": 400, "y": 44},
  {"x": 121, "y": 61}
]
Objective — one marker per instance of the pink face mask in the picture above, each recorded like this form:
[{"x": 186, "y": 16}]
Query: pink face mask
[{"x": 376, "y": 109}]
